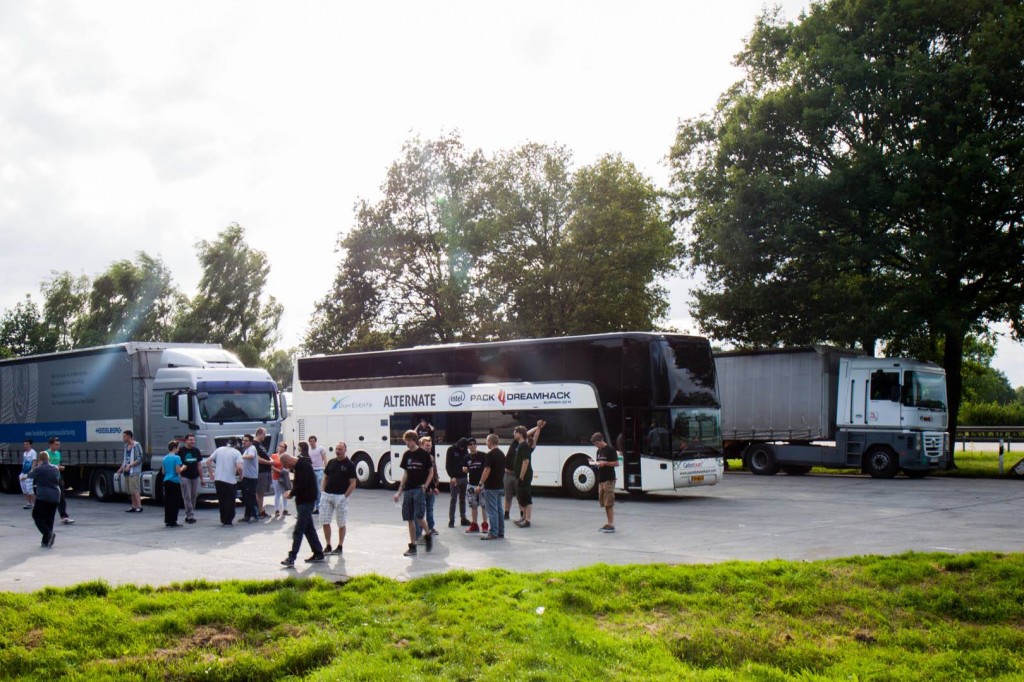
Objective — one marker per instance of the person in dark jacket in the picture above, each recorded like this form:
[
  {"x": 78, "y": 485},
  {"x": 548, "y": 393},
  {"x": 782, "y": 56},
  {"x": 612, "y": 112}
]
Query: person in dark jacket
[
  {"x": 47, "y": 483},
  {"x": 456, "y": 464},
  {"x": 304, "y": 491}
]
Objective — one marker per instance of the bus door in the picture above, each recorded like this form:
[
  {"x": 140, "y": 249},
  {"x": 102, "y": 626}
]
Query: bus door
[{"x": 648, "y": 450}]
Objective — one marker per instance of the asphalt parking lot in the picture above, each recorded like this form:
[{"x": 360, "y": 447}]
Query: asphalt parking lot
[{"x": 742, "y": 518}]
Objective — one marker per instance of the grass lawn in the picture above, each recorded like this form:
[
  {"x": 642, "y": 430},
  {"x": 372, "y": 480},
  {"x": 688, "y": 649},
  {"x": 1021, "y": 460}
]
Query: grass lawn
[{"x": 914, "y": 616}]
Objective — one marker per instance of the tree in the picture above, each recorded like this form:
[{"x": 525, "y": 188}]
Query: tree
[
  {"x": 464, "y": 248},
  {"x": 864, "y": 179},
  {"x": 130, "y": 301},
  {"x": 65, "y": 300},
  {"x": 21, "y": 330},
  {"x": 229, "y": 307},
  {"x": 280, "y": 364},
  {"x": 408, "y": 268}
]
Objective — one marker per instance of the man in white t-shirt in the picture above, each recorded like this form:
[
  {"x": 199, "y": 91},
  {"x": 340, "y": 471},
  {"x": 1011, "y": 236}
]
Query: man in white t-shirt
[
  {"x": 318, "y": 458},
  {"x": 28, "y": 463},
  {"x": 131, "y": 467},
  {"x": 225, "y": 466}
]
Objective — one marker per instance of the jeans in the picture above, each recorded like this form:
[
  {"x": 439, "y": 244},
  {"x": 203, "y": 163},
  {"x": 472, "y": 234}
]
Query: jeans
[
  {"x": 304, "y": 527},
  {"x": 42, "y": 514},
  {"x": 319, "y": 473},
  {"x": 495, "y": 511},
  {"x": 172, "y": 502},
  {"x": 252, "y": 511},
  {"x": 458, "y": 494},
  {"x": 189, "y": 493},
  {"x": 226, "y": 501},
  {"x": 280, "y": 502}
]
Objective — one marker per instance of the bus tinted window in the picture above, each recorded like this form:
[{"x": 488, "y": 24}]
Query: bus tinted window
[{"x": 688, "y": 372}]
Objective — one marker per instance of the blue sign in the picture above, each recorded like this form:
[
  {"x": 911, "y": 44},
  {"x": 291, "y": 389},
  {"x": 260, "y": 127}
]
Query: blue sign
[{"x": 41, "y": 432}]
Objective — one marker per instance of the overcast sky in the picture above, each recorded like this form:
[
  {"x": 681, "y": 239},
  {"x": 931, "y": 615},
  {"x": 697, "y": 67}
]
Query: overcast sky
[{"x": 128, "y": 126}]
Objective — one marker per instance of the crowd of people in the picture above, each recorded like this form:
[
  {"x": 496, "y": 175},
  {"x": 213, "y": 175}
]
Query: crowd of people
[{"x": 484, "y": 481}]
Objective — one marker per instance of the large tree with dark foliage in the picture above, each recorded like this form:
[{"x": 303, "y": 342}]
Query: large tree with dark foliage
[{"x": 864, "y": 180}]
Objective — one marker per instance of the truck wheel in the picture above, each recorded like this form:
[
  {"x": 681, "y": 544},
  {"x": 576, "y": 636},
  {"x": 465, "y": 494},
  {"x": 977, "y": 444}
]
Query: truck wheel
[
  {"x": 101, "y": 487},
  {"x": 385, "y": 473},
  {"x": 881, "y": 462},
  {"x": 9, "y": 481},
  {"x": 761, "y": 461},
  {"x": 158, "y": 488},
  {"x": 796, "y": 469},
  {"x": 915, "y": 473},
  {"x": 366, "y": 473},
  {"x": 579, "y": 478}
]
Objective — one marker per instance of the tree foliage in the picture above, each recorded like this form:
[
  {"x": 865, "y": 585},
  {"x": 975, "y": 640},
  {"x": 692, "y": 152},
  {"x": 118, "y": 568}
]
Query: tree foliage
[
  {"x": 865, "y": 178},
  {"x": 130, "y": 301},
  {"x": 463, "y": 247},
  {"x": 65, "y": 301},
  {"x": 230, "y": 307},
  {"x": 21, "y": 330}
]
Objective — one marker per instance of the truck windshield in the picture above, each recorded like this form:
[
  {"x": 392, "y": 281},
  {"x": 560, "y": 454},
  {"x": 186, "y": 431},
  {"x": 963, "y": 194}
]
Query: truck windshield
[
  {"x": 924, "y": 389},
  {"x": 696, "y": 432},
  {"x": 238, "y": 407}
]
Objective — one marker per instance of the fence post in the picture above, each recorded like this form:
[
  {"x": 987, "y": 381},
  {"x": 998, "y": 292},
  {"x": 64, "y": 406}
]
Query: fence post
[{"x": 1000, "y": 456}]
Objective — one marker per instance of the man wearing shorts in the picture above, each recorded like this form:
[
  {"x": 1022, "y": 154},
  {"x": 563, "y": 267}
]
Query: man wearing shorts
[
  {"x": 607, "y": 459},
  {"x": 132, "y": 468},
  {"x": 28, "y": 463},
  {"x": 524, "y": 470},
  {"x": 338, "y": 485},
  {"x": 509, "y": 482},
  {"x": 417, "y": 468}
]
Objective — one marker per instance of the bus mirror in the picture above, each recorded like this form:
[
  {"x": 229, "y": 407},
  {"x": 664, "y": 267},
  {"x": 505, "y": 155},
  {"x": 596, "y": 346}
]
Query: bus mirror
[{"x": 284, "y": 406}]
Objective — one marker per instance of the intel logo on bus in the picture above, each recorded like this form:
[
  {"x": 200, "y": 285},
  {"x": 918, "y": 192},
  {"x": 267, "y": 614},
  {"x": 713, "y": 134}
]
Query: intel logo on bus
[{"x": 457, "y": 398}]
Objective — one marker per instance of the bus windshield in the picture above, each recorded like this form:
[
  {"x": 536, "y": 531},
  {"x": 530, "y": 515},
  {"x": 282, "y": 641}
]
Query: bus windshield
[
  {"x": 696, "y": 432},
  {"x": 237, "y": 407},
  {"x": 924, "y": 389}
]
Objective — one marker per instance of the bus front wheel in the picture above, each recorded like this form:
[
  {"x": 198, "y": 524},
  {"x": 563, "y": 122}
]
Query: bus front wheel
[
  {"x": 579, "y": 478},
  {"x": 366, "y": 473},
  {"x": 881, "y": 462}
]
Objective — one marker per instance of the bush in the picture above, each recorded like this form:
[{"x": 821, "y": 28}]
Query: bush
[{"x": 991, "y": 414}]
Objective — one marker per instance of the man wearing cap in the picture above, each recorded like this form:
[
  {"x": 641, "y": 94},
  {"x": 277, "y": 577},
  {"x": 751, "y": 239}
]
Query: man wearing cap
[{"x": 607, "y": 459}]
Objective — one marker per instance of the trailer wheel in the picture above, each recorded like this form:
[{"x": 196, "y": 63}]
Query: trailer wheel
[
  {"x": 796, "y": 469},
  {"x": 385, "y": 472},
  {"x": 158, "y": 488},
  {"x": 761, "y": 461},
  {"x": 9, "y": 481},
  {"x": 101, "y": 487},
  {"x": 579, "y": 478},
  {"x": 881, "y": 462},
  {"x": 366, "y": 473}
]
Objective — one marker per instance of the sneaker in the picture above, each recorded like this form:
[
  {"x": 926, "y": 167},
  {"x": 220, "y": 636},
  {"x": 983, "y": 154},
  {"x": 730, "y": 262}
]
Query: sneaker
[
  {"x": 518, "y": 522},
  {"x": 465, "y": 522},
  {"x": 277, "y": 515},
  {"x": 337, "y": 550},
  {"x": 421, "y": 540},
  {"x": 607, "y": 529},
  {"x": 129, "y": 510},
  {"x": 484, "y": 527},
  {"x": 67, "y": 520},
  {"x": 315, "y": 559},
  {"x": 506, "y": 516},
  {"x": 171, "y": 525},
  {"x": 524, "y": 524},
  {"x": 264, "y": 515},
  {"x": 473, "y": 528},
  {"x": 289, "y": 562},
  {"x": 190, "y": 520},
  {"x": 328, "y": 550},
  {"x": 27, "y": 506},
  {"x": 430, "y": 542},
  {"x": 489, "y": 536},
  {"x": 411, "y": 551},
  {"x": 451, "y": 524},
  {"x": 49, "y": 542},
  {"x": 284, "y": 513},
  {"x": 433, "y": 531}
]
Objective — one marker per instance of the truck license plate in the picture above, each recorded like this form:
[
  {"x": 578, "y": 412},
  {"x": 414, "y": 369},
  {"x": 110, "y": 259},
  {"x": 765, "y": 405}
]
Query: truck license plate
[{"x": 696, "y": 479}]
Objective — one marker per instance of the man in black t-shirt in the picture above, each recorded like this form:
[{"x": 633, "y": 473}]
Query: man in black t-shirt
[
  {"x": 492, "y": 485},
  {"x": 455, "y": 462},
  {"x": 607, "y": 459},
  {"x": 418, "y": 469},
  {"x": 191, "y": 476},
  {"x": 337, "y": 486},
  {"x": 304, "y": 493}
]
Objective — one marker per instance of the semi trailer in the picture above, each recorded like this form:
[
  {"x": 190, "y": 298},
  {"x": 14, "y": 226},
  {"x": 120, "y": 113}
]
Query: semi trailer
[
  {"x": 159, "y": 391},
  {"x": 794, "y": 409}
]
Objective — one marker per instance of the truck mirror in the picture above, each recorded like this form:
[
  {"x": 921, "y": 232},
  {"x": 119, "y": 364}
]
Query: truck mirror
[{"x": 183, "y": 408}]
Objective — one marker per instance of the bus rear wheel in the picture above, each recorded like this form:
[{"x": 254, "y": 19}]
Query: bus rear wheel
[
  {"x": 386, "y": 473},
  {"x": 579, "y": 478},
  {"x": 761, "y": 461},
  {"x": 366, "y": 473}
]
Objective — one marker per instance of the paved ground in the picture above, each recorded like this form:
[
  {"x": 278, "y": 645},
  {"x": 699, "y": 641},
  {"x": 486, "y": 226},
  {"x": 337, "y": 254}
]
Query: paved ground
[{"x": 745, "y": 517}]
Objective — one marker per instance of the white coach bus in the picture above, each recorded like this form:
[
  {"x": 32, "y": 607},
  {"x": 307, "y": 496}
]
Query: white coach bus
[{"x": 654, "y": 397}]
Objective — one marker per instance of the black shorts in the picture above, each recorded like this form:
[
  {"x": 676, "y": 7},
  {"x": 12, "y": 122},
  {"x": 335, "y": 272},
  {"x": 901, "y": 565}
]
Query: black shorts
[{"x": 524, "y": 493}]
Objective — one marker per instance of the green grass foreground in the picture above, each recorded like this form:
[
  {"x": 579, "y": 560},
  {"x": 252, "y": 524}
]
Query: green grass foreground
[{"x": 914, "y": 616}]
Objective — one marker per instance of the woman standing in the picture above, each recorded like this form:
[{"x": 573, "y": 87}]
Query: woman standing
[{"x": 282, "y": 483}]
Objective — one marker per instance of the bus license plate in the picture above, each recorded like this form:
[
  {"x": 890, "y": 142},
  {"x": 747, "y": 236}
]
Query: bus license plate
[{"x": 696, "y": 479}]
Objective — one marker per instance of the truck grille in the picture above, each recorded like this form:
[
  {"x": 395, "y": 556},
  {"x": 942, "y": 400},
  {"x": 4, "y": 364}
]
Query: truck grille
[{"x": 934, "y": 444}]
